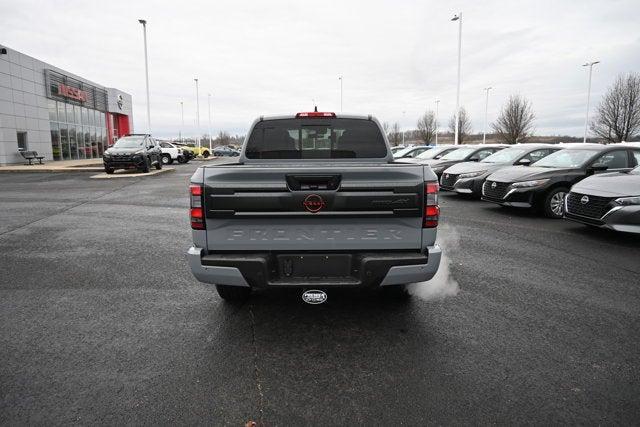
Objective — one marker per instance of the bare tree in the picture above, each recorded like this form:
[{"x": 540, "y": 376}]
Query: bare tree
[
  {"x": 395, "y": 136},
  {"x": 515, "y": 121},
  {"x": 427, "y": 127},
  {"x": 618, "y": 115},
  {"x": 464, "y": 125},
  {"x": 385, "y": 127}
]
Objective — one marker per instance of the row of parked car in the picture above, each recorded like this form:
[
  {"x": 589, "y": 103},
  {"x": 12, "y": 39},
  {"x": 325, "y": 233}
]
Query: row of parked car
[
  {"x": 142, "y": 152},
  {"x": 594, "y": 184}
]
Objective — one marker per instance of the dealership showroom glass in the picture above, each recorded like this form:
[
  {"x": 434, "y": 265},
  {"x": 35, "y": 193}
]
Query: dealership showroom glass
[{"x": 60, "y": 115}]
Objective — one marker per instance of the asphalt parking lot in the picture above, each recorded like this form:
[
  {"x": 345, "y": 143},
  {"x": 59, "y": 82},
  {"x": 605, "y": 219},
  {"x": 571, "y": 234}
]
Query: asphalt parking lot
[{"x": 102, "y": 322}]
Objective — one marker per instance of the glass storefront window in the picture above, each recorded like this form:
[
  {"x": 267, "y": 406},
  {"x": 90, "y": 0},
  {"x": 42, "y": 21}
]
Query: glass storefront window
[
  {"x": 82, "y": 153},
  {"x": 94, "y": 144},
  {"x": 76, "y": 110},
  {"x": 62, "y": 116},
  {"x": 73, "y": 143},
  {"x": 53, "y": 110},
  {"x": 87, "y": 142},
  {"x": 102, "y": 120},
  {"x": 85, "y": 116},
  {"x": 55, "y": 139},
  {"x": 64, "y": 141},
  {"x": 92, "y": 118}
]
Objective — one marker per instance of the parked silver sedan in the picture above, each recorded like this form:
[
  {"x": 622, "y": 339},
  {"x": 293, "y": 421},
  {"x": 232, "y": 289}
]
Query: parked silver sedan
[{"x": 608, "y": 200}]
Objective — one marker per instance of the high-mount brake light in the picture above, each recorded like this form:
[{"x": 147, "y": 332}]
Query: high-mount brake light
[
  {"x": 431, "y": 207},
  {"x": 315, "y": 114},
  {"x": 196, "y": 211}
]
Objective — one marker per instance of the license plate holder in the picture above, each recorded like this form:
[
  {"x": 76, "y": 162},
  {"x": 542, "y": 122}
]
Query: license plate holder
[{"x": 314, "y": 265}]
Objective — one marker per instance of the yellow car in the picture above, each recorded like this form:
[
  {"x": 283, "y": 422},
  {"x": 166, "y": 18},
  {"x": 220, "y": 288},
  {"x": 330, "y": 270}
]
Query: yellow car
[{"x": 202, "y": 151}]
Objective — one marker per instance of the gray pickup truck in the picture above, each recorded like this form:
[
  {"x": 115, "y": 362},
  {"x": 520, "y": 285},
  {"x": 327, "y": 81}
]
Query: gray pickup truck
[{"x": 315, "y": 200}]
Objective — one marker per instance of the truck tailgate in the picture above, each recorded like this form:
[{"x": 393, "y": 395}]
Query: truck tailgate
[{"x": 313, "y": 207}]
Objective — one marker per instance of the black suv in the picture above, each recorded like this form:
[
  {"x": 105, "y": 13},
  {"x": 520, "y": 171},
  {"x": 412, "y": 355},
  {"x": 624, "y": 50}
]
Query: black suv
[
  {"x": 546, "y": 183},
  {"x": 136, "y": 151}
]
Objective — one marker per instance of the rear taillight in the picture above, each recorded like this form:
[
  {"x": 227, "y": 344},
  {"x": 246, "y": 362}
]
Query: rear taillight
[
  {"x": 315, "y": 114},
  {"x": 197, "y": 207},
  {"x": 431, "y": 208}
]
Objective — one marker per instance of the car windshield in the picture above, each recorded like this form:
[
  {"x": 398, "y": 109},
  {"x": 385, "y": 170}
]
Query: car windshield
[
  {"x": 566, "y": 159},
  {"x": 129, "y": 142},
  {"x": 402, "y": 151},
  {"x": 434, "y": 152},
  {"x": 508, "y": 155},
  {"x": 459, "y": 154}
]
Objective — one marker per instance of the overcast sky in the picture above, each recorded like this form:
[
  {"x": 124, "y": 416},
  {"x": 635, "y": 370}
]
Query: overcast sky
[{"x": 397, "y": 57}]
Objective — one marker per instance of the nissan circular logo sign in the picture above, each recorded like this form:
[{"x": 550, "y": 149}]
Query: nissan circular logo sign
[
  {"x": 313, "y": 203},
  {"x": 494, "y": 185},
  {"x": 584, "y": 200},
  {"x": 120, "y": 101}
]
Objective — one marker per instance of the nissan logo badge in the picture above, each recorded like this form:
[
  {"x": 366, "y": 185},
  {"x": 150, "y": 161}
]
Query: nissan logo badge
[
  {"x": 314, "y": 296},
  {"x": 494, "y": 185},
  {"x": 584, "y": 200}
]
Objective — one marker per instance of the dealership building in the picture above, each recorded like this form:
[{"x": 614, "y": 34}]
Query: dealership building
[{"x": 60, "y": 115}]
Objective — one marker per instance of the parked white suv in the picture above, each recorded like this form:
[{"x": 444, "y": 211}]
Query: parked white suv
[{"x": 171, "y": 152}]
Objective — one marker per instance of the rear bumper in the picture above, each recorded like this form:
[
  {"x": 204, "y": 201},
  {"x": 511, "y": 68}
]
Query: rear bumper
[{"x": 260, "y": 270}]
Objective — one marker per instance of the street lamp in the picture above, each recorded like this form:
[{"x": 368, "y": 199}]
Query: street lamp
[
  {"x": 458, "y": 18},
  {"x": 486, "y": 109},
  {"x": 182, "y": 126},
  {"x": 437, "y": 104},
  {"x": 340, "y": 78},
  {"x": 209, "y": 101},
  {"x": 146, "y": 71},
  {"x": 198, "y": 116},
  {"x": 402, "y": 126},
  {"x": 586, "y": 119}
]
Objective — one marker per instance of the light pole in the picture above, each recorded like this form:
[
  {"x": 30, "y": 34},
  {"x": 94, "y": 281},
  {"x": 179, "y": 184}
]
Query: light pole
[
  {"x": 198, "y": 116},
  {"x": 209, "y": 101},
  {"x": 402, "y": 126},
  {"x": 437, "y": 105},
  {"x": 486, "y": 109},
  {"x": 586, "y": 119},
  {"x": 458, "y": 18},
  {"x": 182, "y": 126},
  {"x": 146, "y": 71},
  {"x": 340, "y": 78}
]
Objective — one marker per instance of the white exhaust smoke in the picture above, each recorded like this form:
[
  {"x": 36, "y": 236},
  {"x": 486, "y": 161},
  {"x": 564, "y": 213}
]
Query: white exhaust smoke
[{"x": 443, "y": 284}]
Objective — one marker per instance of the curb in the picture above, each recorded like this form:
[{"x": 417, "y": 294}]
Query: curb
[{"x": 127, "y": 174}]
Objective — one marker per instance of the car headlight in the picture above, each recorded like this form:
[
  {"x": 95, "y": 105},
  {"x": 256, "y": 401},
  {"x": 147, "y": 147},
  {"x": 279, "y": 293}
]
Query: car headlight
[
  {"x": 105, "y": 154},
  {"x": 471, "y": 174},
  {"x": 528, "y": 184},
  {"x": 628, "y": 201}
]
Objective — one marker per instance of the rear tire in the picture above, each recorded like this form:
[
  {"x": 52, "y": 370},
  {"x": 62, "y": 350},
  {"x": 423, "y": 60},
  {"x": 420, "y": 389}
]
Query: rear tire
[
  {"x": 182, "y": 159},
  {"x": 166, "y": 159},
  {"x": 159, "y": 164},
  {"x": 233, "y": 293},
  {"x": 109, "y": 171},
  {"x": 205, "y": 154},
  {"x": 553, "y": 202}
]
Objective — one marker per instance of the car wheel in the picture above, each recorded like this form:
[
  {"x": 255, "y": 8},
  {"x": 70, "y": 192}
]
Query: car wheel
[
  {"x": 147, "y": 165},
  {"x": 166, "y": 159},
  {"x": 182, "y": 159},
  {"x": 233, "y": 293},
  {"x": 205, "y": 154},
  {"x": 553, "y": 204},
  {"x": 109, "y": 170},
  {"x": 159, "y": 163}
]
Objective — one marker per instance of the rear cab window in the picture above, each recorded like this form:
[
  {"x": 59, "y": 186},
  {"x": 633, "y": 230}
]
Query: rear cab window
[{"x": 316, "y": 138}]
